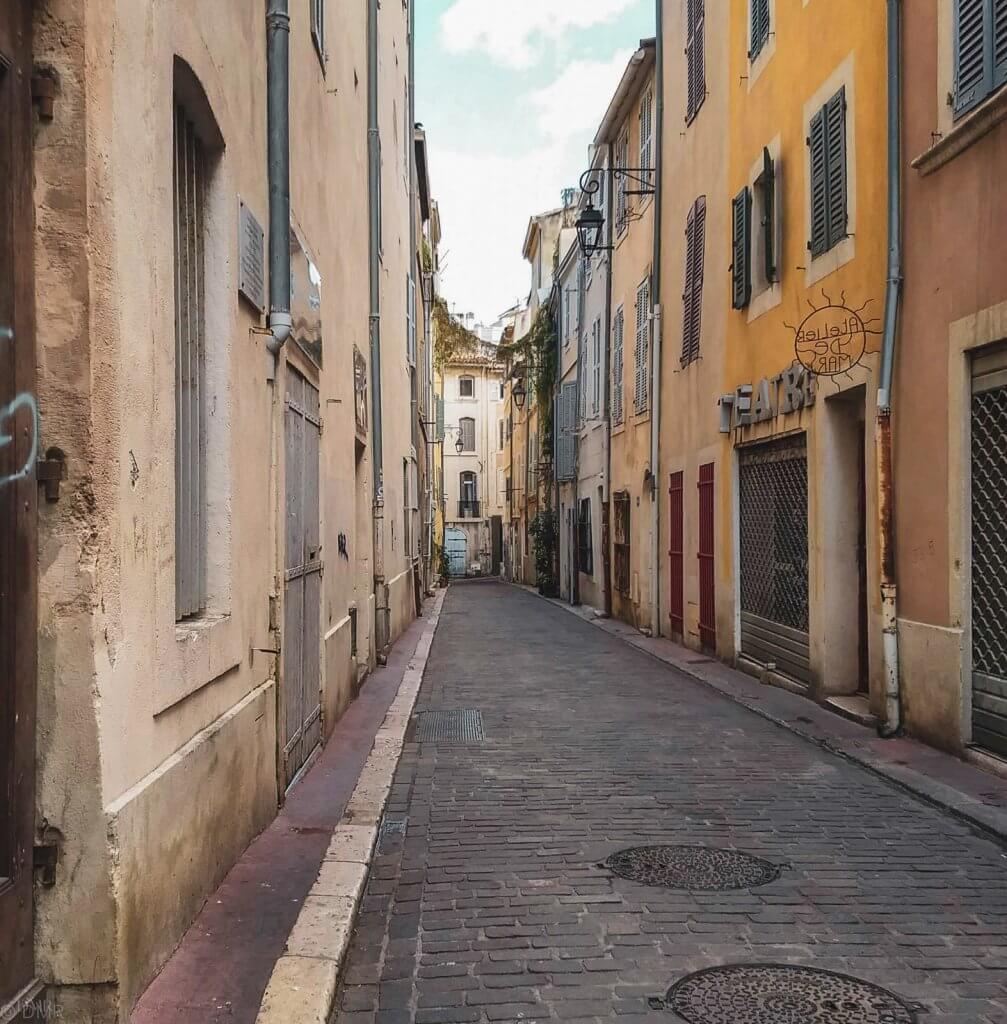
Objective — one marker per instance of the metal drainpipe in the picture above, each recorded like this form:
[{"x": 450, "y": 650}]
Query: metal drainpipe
[
  {"x": 655, "y": 370},
  {"x": 381, "y": 610},
  {"x": 278, "y": 163},
  {"x": 607, "y": 513},
  {"x": 886, "y": 510}
]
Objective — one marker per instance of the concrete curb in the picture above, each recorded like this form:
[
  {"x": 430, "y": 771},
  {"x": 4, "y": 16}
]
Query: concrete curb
[
  {"x": 302, "y": 987},
  {"x": 812, "y": 724}
]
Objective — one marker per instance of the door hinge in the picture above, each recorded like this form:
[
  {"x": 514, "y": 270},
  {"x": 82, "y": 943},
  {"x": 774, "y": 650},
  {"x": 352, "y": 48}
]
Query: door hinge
[{"x": 49, "y": 472}]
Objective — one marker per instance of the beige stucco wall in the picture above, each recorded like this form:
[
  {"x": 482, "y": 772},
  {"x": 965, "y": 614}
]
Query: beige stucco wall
[{"x": 158, "y": 742}]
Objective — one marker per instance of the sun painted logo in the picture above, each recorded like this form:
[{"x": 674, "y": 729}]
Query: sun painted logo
[{"x": 832, "y": 339}]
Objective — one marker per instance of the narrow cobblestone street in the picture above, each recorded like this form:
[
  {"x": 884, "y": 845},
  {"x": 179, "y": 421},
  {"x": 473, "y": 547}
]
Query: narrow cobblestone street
[{"x": 495, "y": 907}]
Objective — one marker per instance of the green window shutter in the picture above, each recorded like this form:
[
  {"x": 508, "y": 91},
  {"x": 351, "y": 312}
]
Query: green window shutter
[
  {"x": 819, "y": 242},
  {"x": 440, "y": 418},
  {"x": 999, "y": 43},
  {"x": 835, "y": 132},
  {"x": 972, "y": 34},
  {"x": 759, "y": 14},
  {"x": 768, "y": 185},
  {"x": 741, "y": 269},
  {"x": 692, "y": 298}
]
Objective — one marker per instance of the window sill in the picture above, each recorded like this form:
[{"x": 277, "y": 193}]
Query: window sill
[{"x": 968, "y": 131}]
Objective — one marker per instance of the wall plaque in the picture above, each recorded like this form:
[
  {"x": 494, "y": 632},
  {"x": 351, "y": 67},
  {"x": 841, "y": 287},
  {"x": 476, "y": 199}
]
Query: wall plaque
[{"x": 251, "y": 258}]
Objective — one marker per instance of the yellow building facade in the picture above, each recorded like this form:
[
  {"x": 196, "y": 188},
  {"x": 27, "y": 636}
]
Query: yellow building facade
[{"x": 795, "y": 531}]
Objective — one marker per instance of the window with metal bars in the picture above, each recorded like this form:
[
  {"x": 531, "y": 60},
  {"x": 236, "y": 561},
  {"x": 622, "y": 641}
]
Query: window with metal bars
[
  {"x": 618, "y": 333},
  {"x": 190, "y": 184},
  {"x": 585, "y": 547},
  {"x": 695, "y": 57},
  {"x": 641, "y": 390},
  {"x": 827, "y": 153},
  {"x": 692, "y": 296},
  {"x": 980, "y": 51},
  {"x": 759, "y": 27},
  {"x": 621, "y": 502},
  {"x": 318, "y": 28}
]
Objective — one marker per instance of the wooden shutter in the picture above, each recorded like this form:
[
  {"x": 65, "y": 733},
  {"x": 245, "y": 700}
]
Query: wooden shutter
[
  {"x": 468, "y": 432},
  {"x": 646, "y": 130},
  {"x": 621, "y": 198},
  {"x": 692, "y": 298},
  {"x": 741, "y": 269},
  {"x": 835, "y": 135},
  {"x": 972, "y": 46},
  {"x": 999, "y": 43},
  {"x": 676, "y": 553},
  {"x": 695, "y": 53},
  {"x": 440, "y": 418},
  {"x": 411, "y": 320},
  {"x": 759, "y": 11},
  {"x": 617, "y": 373},
  {"x": 768, "y": 185},
  {"x": 566, "y": 446},
  {"x": 640, "y": 392},
  {"x": 819, "y": 186}
]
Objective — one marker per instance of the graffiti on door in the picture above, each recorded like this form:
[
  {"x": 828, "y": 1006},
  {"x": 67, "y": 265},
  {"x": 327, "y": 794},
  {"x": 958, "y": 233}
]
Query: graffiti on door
[{"x": 24, "y": 402}]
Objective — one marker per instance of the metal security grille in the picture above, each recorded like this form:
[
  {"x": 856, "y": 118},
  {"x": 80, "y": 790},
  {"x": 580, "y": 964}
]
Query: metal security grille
[
  {"x": 773, "y": 517},
  {"x": 461, "y": 726},
  {"x": 989, "y": 559},
  {"x": 190, "y": 448}
]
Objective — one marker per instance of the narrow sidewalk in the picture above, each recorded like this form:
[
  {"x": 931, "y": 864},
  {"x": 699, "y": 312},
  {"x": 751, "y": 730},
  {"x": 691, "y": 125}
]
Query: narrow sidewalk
[
  {"x": 975, "y": 796},
  {"x": 220, "y": 970}
]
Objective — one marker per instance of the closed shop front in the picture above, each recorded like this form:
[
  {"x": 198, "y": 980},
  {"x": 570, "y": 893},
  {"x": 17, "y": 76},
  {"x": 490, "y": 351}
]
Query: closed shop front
[
  {"x": 773, "y": 535},
  {"x": 989, "y": 551}
]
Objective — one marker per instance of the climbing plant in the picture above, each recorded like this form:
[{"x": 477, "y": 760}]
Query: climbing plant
[
  {"x": 543, "y": 529},
  {"x": 537, "y": 350},
  {"x": 452, "y": 339}
]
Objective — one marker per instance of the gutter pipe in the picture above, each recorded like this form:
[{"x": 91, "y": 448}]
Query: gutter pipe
[
  {"x": 886, "y": 511},
  {"x": 374, "y": 208},
  {"x": 278, "y": 167},
  {"x": 655, "y": 369},
  {"x": 606, "y": 525}
]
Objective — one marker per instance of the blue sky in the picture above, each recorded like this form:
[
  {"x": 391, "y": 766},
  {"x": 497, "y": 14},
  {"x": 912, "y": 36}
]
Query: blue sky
[{"x": 511, "y": 93}]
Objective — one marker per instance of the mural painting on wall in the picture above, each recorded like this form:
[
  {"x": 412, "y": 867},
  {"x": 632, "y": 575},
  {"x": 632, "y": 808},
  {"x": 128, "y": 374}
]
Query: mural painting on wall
[{"x": 360, "y": 391}]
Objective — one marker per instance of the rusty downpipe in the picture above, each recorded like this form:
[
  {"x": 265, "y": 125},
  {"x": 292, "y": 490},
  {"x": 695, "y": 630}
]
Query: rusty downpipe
[{"x": 883, "y": 434}]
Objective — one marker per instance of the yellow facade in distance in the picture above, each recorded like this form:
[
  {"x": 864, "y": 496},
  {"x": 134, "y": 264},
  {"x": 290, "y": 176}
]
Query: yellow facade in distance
[{"x": 814, "y": 50}]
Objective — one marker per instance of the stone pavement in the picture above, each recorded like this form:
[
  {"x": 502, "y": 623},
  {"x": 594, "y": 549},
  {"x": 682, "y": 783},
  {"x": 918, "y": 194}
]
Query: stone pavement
[{"x": 495, "y": 907}]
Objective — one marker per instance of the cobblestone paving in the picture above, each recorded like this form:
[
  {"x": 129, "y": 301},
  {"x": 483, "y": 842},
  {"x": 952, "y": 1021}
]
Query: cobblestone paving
[{"x": 494, "y": 907}]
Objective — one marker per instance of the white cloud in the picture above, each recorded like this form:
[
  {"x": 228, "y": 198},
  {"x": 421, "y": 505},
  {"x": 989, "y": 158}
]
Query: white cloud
[
  {"x": 511, "y": 33},
  {"x": 573, "y": 105}
]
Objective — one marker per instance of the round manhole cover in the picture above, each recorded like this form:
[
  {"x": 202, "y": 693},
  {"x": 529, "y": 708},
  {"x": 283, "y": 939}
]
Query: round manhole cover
[
  {"x": 694, "y": 868},
  {"x": 783, "y": 994}
]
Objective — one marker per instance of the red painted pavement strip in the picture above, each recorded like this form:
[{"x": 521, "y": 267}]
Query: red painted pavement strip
[{"x": 220, "y": 970}]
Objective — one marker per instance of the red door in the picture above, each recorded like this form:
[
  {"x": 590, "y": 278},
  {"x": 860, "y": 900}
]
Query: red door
[
  {"x": 707, "y": 606},
  {"x": 18, "y": 508},
  {"x": 676, "y": 553}
]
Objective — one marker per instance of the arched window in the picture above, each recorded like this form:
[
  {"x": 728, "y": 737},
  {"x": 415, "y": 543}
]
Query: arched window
[{"x": 467, "y": 429}]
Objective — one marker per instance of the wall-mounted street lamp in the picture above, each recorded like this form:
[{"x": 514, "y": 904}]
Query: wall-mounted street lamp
[
  {"x": 591, "y": 222},
  {"x": 519, "y": 393}
]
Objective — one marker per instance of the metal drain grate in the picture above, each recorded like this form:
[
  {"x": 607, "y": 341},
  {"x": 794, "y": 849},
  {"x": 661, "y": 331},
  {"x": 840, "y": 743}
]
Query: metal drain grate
[
  {"x": 782, "y": 994},
  {"x": 391, "y": 831},
  {"x": 460, "y": 726},
  {"x": 692, "y": 868}
]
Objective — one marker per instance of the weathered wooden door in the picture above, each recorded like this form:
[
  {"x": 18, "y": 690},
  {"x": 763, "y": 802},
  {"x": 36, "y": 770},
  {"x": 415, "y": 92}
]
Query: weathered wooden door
[
  {"x": 302, "y": 579},
  {"x": 19, "y": 435}
]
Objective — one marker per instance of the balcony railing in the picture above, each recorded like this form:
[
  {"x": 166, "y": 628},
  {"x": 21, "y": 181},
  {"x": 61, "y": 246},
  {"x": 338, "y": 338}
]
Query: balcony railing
[{"x": 468, "y": 509}]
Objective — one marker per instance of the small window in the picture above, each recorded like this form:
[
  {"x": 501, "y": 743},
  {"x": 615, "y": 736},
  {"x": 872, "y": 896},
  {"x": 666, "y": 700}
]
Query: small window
[
  {"x": 585, "y": 551},
  {"x": 980, "y": 35},
  {"x": 759, "y": 35},
  {"x": 466, "y": 387},
  {"x": 618, "y": 332},
  {"x": 318, "y": 28},
  {"x": 695, "y": 57},
  {"x": 692, "y": 296},
  {"x": 467, "y": 429},
  {"x": 827, "y": 153}
]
